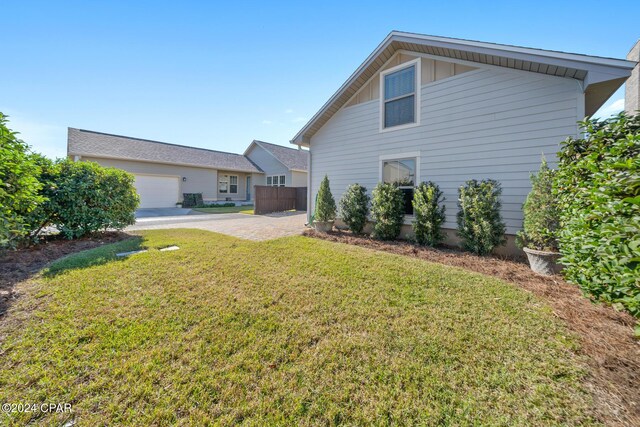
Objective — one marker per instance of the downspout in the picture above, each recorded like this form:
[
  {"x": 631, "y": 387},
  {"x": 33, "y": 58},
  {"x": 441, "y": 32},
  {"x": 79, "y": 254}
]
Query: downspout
[{"x": 308, "y": 184}]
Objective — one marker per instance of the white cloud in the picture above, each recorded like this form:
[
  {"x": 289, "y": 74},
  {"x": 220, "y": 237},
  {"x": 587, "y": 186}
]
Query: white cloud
[
  {"x": 267, "y": 122},
  {"x": 44, "y": 138},
  {"x": 299, "y": 120},
  {"x": 288, "y": 111},
  {"x": 610, "y": 108}
]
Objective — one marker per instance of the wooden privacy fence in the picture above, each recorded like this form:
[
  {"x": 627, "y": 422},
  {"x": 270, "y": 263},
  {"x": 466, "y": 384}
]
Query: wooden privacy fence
[{"x": 279, "y": 199}]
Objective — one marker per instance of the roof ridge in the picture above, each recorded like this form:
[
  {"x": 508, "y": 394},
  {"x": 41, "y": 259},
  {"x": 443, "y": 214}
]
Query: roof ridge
[
  {"x": 275, "y": 145},
  {"x": 156, "y": 142}
]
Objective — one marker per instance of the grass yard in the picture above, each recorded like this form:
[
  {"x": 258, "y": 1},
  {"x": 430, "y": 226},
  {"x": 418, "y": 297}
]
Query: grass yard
[
  {"x": 226, "y": 209},
  {"x": 294, "y": 331}
]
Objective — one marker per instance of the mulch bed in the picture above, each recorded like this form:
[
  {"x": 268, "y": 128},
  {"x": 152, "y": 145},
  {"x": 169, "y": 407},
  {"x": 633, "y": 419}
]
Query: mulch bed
[
  {"x": 606, "y": 336},
  {"x": 19, "y": 265}
]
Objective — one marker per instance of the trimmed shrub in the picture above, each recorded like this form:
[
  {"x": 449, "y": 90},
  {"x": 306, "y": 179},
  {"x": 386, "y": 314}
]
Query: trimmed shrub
[
  {"x": 429, "y": 213},
  {"x": 325, "y": 203},
  {"x": 354, "y": 207},
  {"x": 541, "y": 213},
  {"x": 479, "y": 221},
  {"x": 387, "y": 211},
  {"x": 84, "y": 197},
  {"x": 598, "y": 184},
  {"x": 19, "y": 186}
]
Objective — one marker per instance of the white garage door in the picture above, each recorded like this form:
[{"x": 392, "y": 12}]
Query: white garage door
[{"x": 157, "y": 191}]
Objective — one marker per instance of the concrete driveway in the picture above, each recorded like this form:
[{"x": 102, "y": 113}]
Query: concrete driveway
[{"x": 251, "y": 227}]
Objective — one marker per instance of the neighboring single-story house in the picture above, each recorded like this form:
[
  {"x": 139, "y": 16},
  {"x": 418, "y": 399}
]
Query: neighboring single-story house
[
  {"x": 448, "y": 110},
  {"x": 163, "y": 171},
  {"x": 283, "y": 166}
]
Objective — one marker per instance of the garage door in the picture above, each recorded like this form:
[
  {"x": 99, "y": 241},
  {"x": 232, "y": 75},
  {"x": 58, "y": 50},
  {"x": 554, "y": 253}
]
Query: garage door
[{"x": 157, "y": 191}]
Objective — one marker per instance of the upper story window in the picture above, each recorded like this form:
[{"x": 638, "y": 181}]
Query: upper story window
[{"x": 400, "y": 95}]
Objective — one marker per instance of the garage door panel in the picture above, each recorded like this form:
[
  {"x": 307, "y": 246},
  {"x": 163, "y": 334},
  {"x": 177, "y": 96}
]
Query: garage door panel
[{"x": 157, "y": 191}]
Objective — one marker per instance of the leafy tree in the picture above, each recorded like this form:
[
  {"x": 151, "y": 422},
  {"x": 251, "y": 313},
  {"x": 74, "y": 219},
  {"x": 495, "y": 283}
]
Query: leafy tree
[
  {"x": 354, "y": 207},
  {"x": 19, "y": 185},
  {"x": 541, "y": 213},
  {"x": 479, "y": 221},
  {"x": 325, "y": 204},
  {"x": 429, "y": 213},
  {"x": 387, "y": 211},
  {"x": 598, "y": 185}
]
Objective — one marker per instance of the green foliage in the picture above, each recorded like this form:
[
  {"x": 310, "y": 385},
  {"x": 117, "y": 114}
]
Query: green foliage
[
  {"x": 541, "y": 213},
  {"x": 325, "y": 204},
  {"x": 354, "y": 207},
  {"x": 19, "y": 185},
  {"x": 192, "y": 200},
  {"x": 429, "y": 213},
  {"x": 598, "y": 184},
  {"x": 479, "y": 221},
  {"x": 387, "y": 211},
  {"x": 84, "y": 197}
]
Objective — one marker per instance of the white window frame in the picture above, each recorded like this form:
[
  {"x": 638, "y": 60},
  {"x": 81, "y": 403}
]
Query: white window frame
[
  {"x": 417, "y": 63},
  {"x": 277, "y": 178},
  {"x": 223, "y": 178},
  {"x": 412, "y": 155},
  {"x": 237, "y": 184}
]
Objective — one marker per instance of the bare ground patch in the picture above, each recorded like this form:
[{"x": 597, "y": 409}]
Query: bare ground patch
[{"x": 606, "y": 336}]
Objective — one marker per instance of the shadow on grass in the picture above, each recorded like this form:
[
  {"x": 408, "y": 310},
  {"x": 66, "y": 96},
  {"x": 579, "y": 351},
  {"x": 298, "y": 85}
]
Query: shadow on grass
[{"x": 92, "y": 257}]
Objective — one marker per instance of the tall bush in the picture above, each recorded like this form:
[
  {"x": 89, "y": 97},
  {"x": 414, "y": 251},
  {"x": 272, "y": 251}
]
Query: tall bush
[
  {"x": 429, "y": 213},
  {"x": 479, "y": 221},
  {"x": 387, "y": 211},
  {"x": 598, "y": 184},
  {"x": 354, "y": 207},
  {"x": 325, "y": 203},
  {"x": 84, "y": 197},
  {"x": 19, "y": 185},
  {"x": 541, "y": 213}
]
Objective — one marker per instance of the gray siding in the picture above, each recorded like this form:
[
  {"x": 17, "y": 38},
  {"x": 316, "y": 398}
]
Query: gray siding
[
  {"x": 269, "y": 164},
  {"x": 488, "y": 123}
]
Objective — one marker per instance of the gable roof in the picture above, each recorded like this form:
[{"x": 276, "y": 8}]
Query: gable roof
[
  {"x": 97, "y": 144},
  {"x": 601, "y": 76},
  {"x": 293, "y": 159}
]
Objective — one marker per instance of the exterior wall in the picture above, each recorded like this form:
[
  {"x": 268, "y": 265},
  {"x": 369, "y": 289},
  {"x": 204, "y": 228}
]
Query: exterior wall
[
  {"x": 487, "y": 123},
  {"x": 242, "y": 186},
  {"x": 269, "y": 164},
  {"x": 298, "y": 179},
  {"x": 632, "y": 85},
  {"x": 199, "y": 180}
]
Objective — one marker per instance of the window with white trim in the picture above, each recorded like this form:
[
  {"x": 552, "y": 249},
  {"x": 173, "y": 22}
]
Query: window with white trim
[
  {"x": 399, "y": 96},
  {"x": 276, "y": 181},
  {"x": 233, "y": 184},
  {"x": 402, "y": 173},
  {"x": 223, "y": 184}
]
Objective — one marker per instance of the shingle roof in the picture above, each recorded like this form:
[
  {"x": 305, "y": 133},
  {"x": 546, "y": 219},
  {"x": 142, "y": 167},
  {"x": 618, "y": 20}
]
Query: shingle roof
[
  {"x": 97, "y": 144},
  {"x": 290, "y": 157}
]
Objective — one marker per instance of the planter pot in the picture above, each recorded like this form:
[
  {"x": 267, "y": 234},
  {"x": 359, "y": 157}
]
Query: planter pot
[
  {"x": 323, "y": 226},
  {"x": 543, "y": 262}
]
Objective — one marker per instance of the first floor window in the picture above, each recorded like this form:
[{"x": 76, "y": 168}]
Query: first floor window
[
  {"x": 233, "y": 184},
  {"x": 223, "y": 184},
  {"x": 402, "y": 173},
  {"x": 276, "y": 181}
]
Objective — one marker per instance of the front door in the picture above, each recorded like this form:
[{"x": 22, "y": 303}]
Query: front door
[{"x": 248, "y": 188}]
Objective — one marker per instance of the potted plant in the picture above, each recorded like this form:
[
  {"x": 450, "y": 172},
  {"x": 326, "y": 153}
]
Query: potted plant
[
  {"x": 541, "y": 222},
  {"x": 325, "y": 213}
]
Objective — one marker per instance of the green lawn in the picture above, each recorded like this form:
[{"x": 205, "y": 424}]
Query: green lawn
[
  {"x": 295, "y": 331},
  {"x": 227, "y": 209}
]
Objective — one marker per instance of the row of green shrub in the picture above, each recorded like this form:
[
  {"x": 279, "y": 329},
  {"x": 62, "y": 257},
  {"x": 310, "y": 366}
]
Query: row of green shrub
[
  {"x": 480, "y": 224},
  {"x": 77, "y": 198}
]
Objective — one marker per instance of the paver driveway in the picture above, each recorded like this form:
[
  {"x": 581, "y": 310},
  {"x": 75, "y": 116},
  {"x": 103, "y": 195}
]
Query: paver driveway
[{"x": 252, "y": 227}]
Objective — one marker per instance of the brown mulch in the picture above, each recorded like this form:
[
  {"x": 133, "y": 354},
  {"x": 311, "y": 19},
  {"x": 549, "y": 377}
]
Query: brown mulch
[
  {"x": 19, "y": 265},
  {"x": 606, "y": 336}
]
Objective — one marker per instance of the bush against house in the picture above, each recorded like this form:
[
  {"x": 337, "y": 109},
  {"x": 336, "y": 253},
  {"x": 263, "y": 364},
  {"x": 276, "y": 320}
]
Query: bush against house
[
  {"x": 429, "y": 212},
  {"x": 325, "y": 203},
  {"x": 598, "y": 184},
  {"x": 480, "y": 224},
  {"x": 354, "y": 207},
  {"x": 19, "y": 185},
  {"x": 541, "y": 213},
  {"x": 84, "y": 197},
  {"x": 387, "y": 211}
]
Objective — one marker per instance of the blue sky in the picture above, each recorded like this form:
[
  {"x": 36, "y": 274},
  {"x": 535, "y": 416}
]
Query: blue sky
[{"x": 218, "y": 75}]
